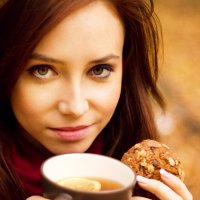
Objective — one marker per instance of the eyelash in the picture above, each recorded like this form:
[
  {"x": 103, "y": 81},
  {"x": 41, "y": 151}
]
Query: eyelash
[
  {"x": 105, "y": 71},
  {"x": 34, "y": 70},
  {"x": 103, "y": 67}
]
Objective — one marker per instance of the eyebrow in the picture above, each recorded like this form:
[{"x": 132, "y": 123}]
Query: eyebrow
[
  {"x": 44, "y": 58},
  {"x": 54, "y": 60},
  {"x": 105, "y": 59}
]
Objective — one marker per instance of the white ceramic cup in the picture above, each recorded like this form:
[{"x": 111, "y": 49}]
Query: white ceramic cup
[{"x": 86, "y": 165}]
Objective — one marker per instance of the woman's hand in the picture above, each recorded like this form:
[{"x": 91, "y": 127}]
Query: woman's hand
[
  {"x": 60, "y": 197},
  {"x": 170, "y": 188},
  {"x": 36, "y": 198}
]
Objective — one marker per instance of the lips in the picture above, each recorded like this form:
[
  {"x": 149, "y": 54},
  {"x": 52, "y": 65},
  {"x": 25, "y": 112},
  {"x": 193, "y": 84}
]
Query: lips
[
  {"x": 71, "y": 128},
  {"x": 71, "y": 133}
]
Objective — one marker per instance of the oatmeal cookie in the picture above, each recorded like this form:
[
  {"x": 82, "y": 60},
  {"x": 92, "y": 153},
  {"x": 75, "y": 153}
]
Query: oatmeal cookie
[{"x": 148, "y": 157}]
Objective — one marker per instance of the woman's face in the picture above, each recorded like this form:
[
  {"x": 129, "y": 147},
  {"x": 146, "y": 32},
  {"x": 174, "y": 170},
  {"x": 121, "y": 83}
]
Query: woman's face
[{"x": 71, "y": 85}]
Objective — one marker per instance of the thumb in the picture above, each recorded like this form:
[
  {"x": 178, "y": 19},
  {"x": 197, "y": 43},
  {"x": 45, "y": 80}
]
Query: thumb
[{"x": 64, "y": 197}]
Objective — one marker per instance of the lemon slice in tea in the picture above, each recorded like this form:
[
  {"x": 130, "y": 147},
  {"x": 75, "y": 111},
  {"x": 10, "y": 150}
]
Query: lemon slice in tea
[{"x": 81, "y": 184}]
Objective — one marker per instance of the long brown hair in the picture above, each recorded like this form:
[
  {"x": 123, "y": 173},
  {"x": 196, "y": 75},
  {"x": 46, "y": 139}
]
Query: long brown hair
[{"x": 23, "y": 24}]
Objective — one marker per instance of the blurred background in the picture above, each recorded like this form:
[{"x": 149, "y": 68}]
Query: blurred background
[{"x": 180, "y": 83}]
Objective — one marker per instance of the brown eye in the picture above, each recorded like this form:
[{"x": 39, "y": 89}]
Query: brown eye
[
  {"x": 101, "y": 71},
  {"x": 98, "y": 70},
  {"x": 42, "y": 71}
]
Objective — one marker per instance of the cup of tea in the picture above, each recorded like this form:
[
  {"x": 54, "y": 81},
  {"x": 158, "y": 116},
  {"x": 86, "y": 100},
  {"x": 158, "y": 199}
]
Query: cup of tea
[{"x": 86, "y": 176}]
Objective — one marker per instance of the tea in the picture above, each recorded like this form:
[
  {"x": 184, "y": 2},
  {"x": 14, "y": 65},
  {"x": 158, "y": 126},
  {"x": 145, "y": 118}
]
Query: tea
[{"x": 92, "y": 184}]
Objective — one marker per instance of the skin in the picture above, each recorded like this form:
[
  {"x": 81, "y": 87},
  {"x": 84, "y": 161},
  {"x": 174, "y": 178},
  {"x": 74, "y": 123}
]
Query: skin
[
  {"x": 72, "y": 90},
  {"x": 82, "y": 69}
]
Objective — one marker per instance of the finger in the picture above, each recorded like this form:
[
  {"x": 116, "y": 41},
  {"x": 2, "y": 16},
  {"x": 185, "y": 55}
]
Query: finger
[
  {"x": 175, "y": 184},
  {"x": 36, "y": 198},
  {"x": 138, "y": 198},
  {"x": 159, "y": 189},
  {"x": 64, "y": 197}
]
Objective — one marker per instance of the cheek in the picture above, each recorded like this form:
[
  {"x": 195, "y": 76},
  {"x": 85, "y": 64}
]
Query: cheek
[
  {"x": 28, "y": 104},
  {"x": 107, "y": 99}
]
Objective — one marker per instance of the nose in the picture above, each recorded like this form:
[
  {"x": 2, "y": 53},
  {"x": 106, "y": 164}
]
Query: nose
[{"x": 74, "y": 102}]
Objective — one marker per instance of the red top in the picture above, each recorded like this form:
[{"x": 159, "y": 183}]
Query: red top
[{"x": 27, "y": 158}]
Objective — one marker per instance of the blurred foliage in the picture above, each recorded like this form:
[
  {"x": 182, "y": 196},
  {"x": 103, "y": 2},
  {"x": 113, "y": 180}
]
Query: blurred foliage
[{"x": 179, "y": 82}]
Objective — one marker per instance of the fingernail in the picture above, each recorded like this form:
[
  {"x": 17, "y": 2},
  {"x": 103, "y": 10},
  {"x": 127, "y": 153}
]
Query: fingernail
[
  {"x": 165, "y": 173},
  {"x": 142, "y": 179}
]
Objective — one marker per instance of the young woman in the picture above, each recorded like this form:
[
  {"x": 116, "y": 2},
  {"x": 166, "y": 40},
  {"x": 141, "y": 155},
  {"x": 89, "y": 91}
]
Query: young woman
[{"x": 76, "y": 76}]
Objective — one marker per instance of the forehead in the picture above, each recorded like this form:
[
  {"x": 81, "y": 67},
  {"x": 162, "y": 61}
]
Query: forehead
[{"x": 94, "y": 25}]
